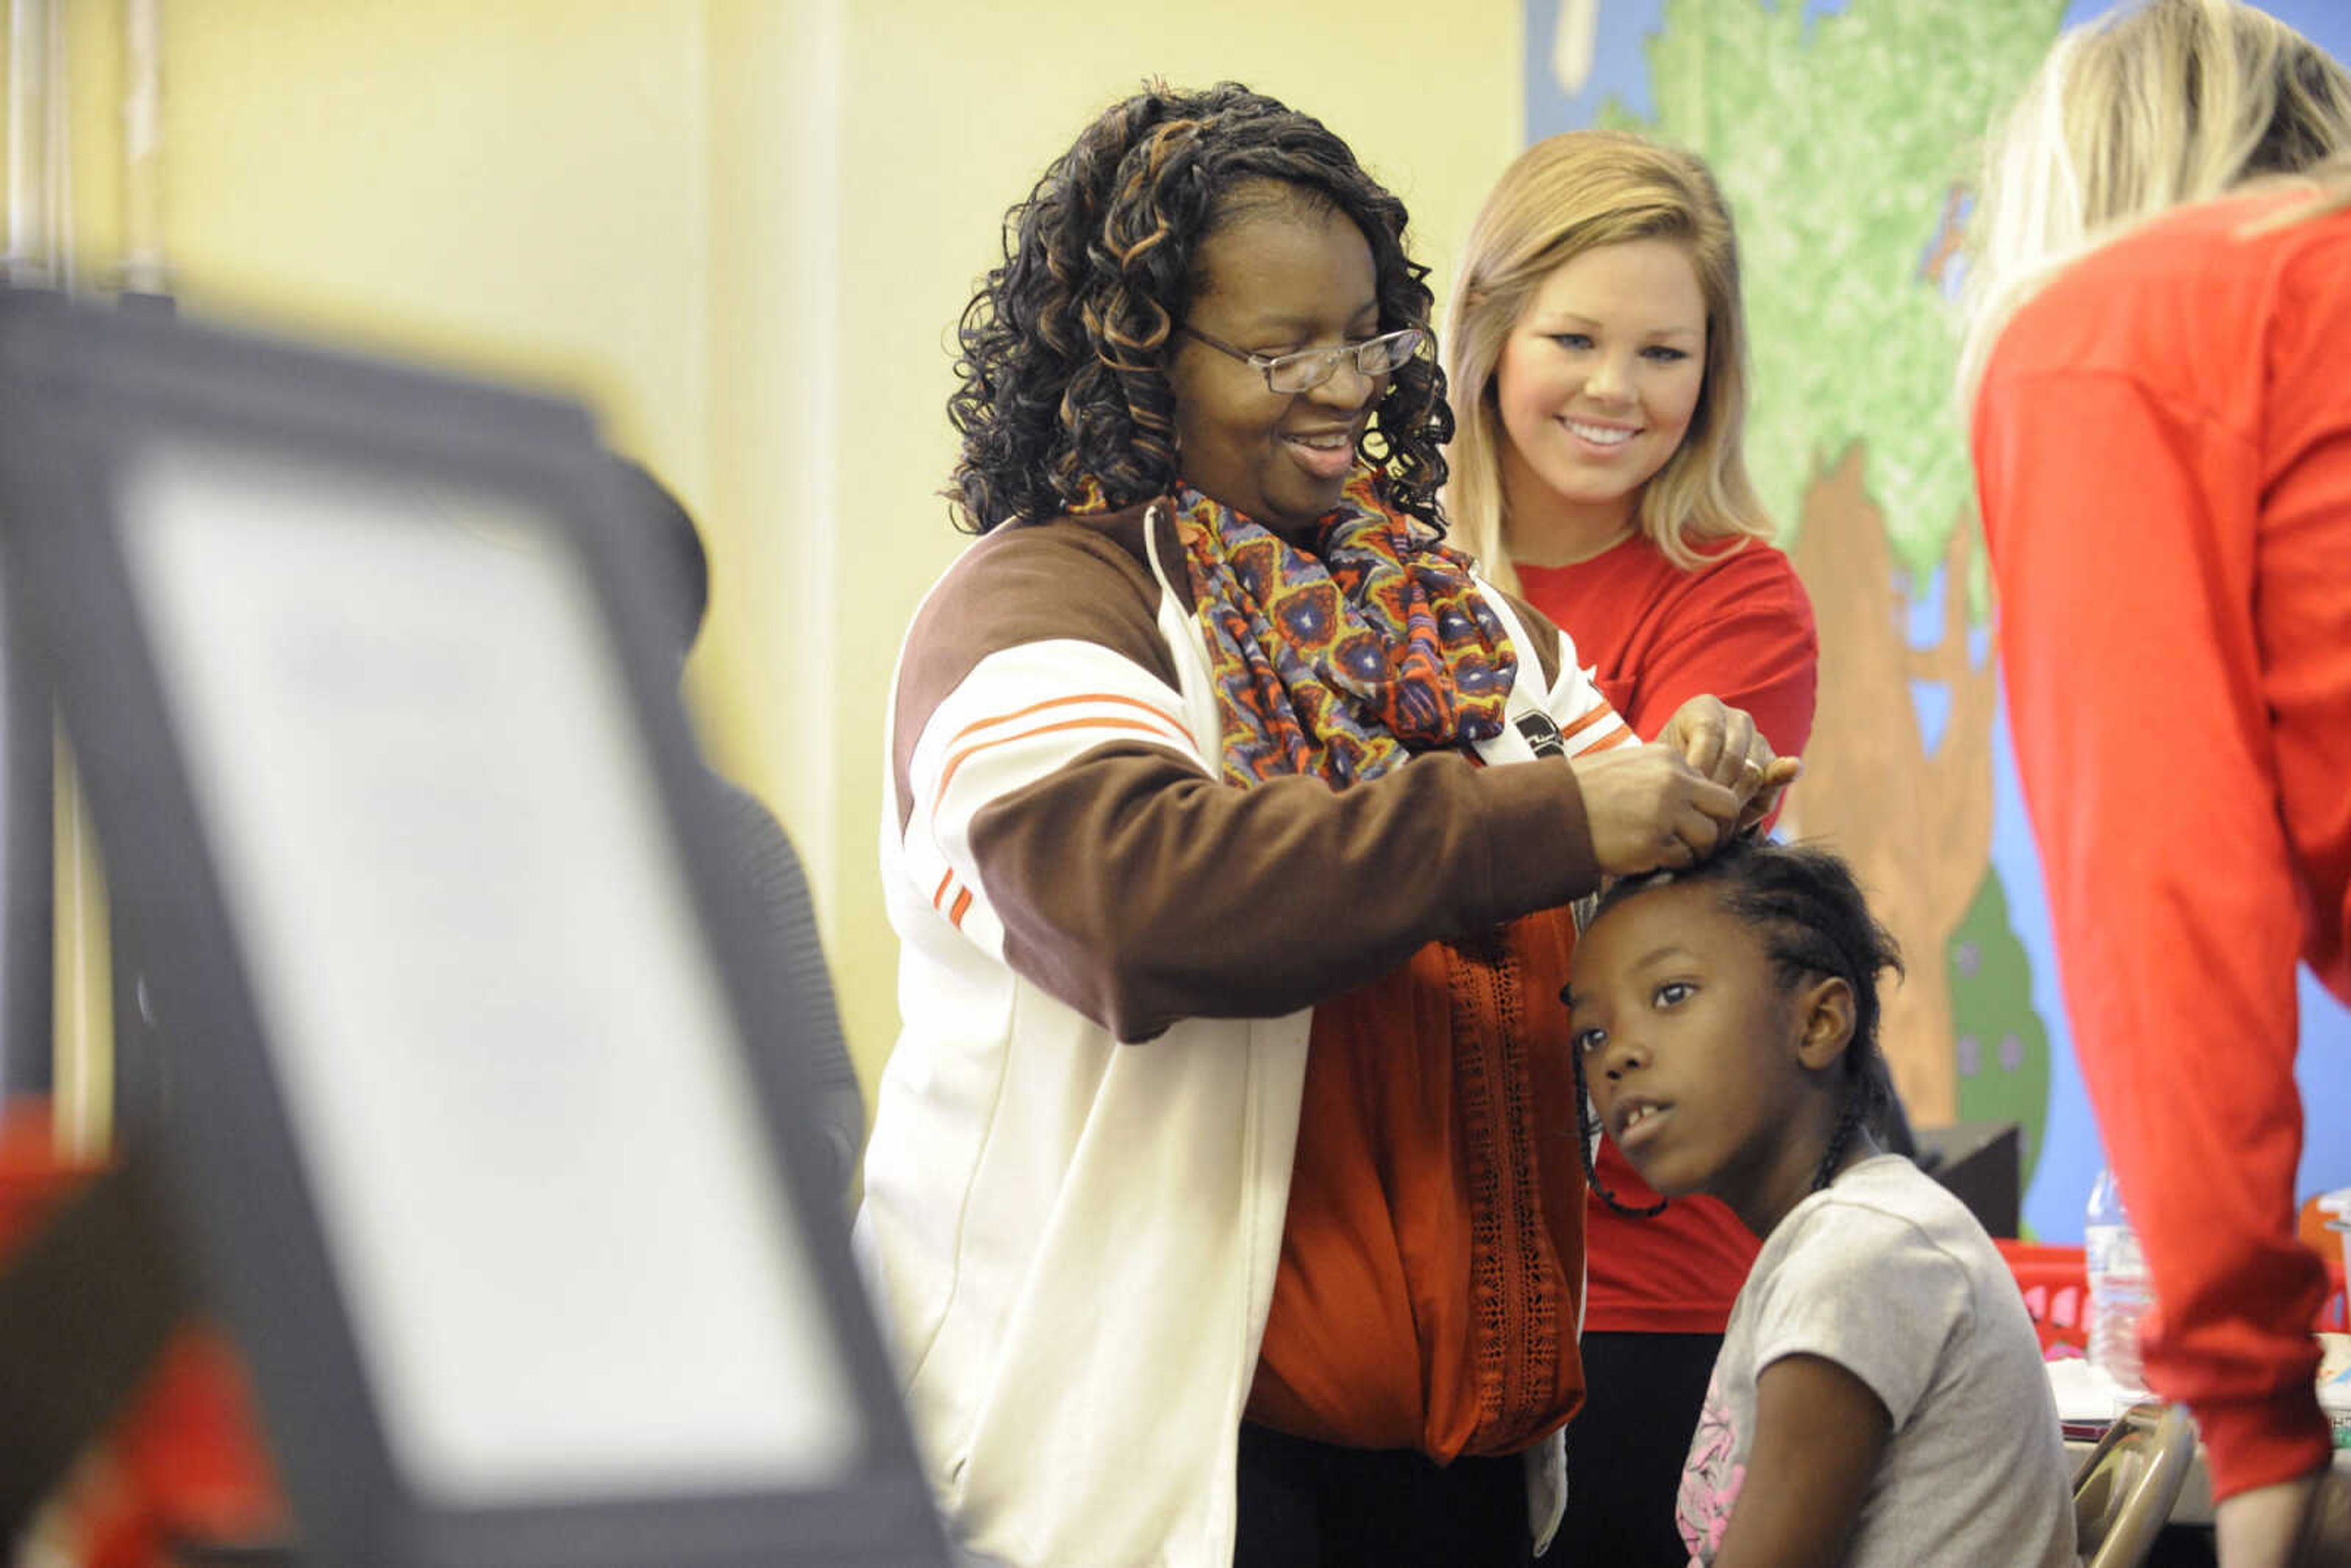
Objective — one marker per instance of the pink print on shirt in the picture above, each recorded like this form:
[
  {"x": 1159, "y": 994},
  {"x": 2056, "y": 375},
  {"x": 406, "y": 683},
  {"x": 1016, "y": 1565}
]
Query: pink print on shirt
[{"x": 1711, "y": 1480}]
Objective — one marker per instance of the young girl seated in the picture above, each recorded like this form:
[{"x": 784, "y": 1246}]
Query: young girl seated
[{"x": 1879, "y": 1398}]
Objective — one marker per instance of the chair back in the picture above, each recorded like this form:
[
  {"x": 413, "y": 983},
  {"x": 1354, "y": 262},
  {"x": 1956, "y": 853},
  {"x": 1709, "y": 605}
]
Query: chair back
[{"x": 2125, "y": 1489}]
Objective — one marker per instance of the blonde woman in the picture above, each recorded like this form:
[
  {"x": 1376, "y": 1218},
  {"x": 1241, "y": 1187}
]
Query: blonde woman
[
  {"x": 2159, "y": 365},
  {"x": 1597, "y": 357}
]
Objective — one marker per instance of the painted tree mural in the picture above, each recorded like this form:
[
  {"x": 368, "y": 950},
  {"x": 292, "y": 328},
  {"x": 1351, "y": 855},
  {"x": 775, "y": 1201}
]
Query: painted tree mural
[
  {"x": 1844, "y": 132},
  {"x": 1842, "y": 141},
  {"x": 1915, "y": 820}
]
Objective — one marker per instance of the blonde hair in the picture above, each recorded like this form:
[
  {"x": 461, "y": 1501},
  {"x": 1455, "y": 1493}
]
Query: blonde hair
[
  {"x": 1565, "y": 195},
  {"x": 2177, "y": 103}
]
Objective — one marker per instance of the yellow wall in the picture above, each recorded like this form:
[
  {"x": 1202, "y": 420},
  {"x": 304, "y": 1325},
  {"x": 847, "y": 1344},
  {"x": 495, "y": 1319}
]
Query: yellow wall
[{"x": 743, "y": 230}]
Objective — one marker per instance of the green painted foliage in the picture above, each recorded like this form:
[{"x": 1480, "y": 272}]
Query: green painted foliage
[
  {"x": 2001, "y": 1046},
  {"x": 1840, "y": 143}
]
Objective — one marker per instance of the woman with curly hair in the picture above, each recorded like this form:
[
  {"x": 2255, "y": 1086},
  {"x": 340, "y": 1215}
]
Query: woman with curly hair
[{"x": 1224, "y": 1196}]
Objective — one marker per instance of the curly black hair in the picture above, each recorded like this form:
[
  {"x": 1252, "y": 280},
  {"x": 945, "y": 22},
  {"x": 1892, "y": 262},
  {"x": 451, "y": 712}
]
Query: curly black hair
[
  {"x": 1815, "y": 922},
  {"x": 1064, "y": 349}
]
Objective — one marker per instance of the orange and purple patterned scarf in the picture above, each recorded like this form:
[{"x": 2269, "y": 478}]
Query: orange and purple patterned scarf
[{"x": 1344, "y": 662}]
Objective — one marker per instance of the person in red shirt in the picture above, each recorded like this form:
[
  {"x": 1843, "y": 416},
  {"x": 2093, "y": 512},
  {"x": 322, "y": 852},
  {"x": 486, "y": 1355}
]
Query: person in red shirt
[
  {"x": 2160, "y": 369},
  {"x": 1597, "y": 357}
]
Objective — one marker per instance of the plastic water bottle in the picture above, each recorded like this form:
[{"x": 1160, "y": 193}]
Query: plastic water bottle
[{"x": 2119, "y": 1291}]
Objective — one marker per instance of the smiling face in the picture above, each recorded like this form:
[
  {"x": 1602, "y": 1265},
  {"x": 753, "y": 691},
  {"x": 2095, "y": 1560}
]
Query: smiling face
[
  {"x": 1286, "y": 275},
  {"x": 1596, "y": 386},
  {"x": 1712, "y": 1074}
]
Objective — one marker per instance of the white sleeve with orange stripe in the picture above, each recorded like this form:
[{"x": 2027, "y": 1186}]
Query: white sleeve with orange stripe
[
  {"x": 1587, "y": 721},
  {"x": 1597, "y": 728},
  {"x": 1018, "y": 716}
]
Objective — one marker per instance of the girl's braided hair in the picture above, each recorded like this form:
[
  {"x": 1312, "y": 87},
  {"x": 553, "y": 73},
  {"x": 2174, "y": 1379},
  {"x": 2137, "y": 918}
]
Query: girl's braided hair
[
  {"x": 1815, "y": 922},
  {"x": 1063, "y": 367}
]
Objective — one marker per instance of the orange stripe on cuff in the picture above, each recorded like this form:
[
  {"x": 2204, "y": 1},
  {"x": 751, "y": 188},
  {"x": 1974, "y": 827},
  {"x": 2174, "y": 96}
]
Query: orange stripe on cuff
[
  {"x": 1602, "y": 712},
  {"x": 962, "y": 902},
  {"x": 946, "y": 880}
]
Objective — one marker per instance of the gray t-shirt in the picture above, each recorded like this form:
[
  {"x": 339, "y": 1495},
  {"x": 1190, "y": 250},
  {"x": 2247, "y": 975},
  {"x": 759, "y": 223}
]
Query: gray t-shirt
[{"x": 1888, "y": 1275}]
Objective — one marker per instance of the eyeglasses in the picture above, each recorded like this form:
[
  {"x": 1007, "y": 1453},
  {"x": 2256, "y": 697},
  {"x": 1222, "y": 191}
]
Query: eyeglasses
[{"x": 1290, "y": 374}]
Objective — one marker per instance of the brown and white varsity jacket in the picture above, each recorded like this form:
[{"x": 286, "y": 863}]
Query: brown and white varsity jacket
[{"x": 1075, "y": 1189}]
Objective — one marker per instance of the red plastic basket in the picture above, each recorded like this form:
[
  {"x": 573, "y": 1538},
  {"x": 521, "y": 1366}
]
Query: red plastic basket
[
  {"x": 2056, "y": 1294},
  {"x": 2055, "y": 1281}
]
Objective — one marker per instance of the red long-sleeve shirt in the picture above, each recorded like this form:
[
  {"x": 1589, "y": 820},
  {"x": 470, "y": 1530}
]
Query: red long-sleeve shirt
[
  {"x": 1738, "y": 628},
  {"x": 2163, "y": 448}
]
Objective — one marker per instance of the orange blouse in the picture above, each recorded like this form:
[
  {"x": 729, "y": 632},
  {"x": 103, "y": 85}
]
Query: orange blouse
[{"x": 1432, "y": 1259}]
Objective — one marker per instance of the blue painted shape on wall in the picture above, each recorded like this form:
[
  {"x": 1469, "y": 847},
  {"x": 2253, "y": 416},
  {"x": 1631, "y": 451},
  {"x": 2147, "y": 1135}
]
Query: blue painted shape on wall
[
  {"x": 1923, "y": 627},
  {"x": 1620, "y": 64},
  {"x": 2070, "y": 1151}
]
